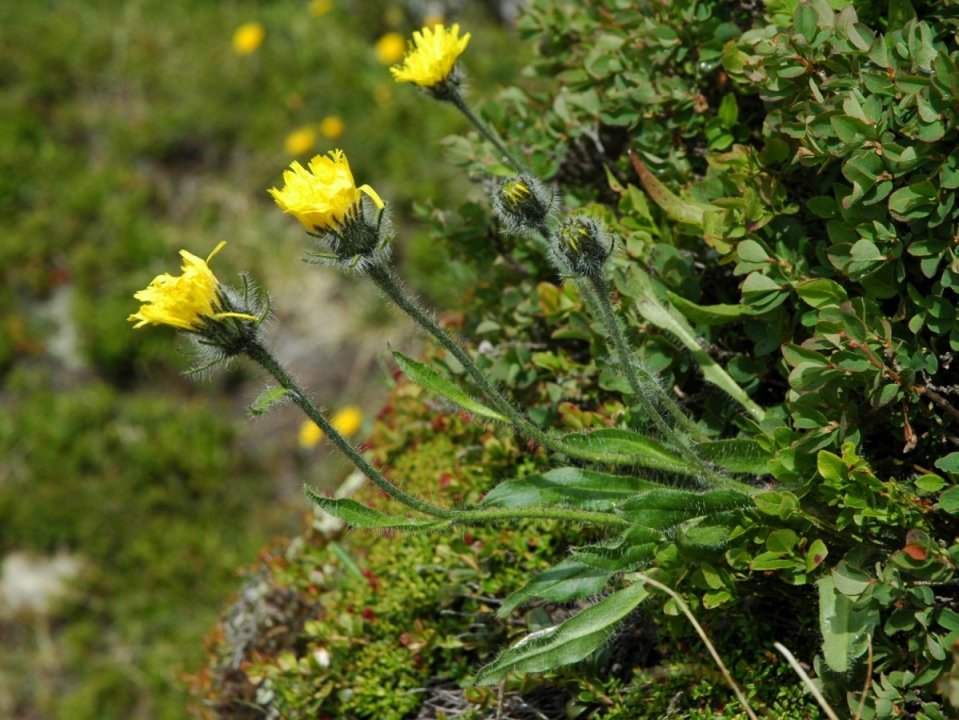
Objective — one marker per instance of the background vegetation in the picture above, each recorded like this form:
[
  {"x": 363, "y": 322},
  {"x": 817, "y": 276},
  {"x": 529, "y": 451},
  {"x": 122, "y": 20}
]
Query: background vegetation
[{"x": 130, "y": 131}]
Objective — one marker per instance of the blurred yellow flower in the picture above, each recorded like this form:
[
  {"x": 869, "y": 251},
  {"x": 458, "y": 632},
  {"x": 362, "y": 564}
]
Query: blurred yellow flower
[
  {"x": 323, "y": 196},
  {"x": 346, "y": 422},
  {"x": 320, "y": 7},
  {"x": 300, "y": 141},
  {"x": 390, "y": 48},
  {"x": 309, "y": 435},
  {"x": 183, "y": 301},
  {"x": 332, "y": 126},
  {"x": 432, "y": 56},
  {"x": 247, "y": 38}
]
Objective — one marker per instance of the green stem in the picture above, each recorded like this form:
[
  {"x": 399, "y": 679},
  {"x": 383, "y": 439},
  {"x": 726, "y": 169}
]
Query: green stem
[
  {"x": 460, "y": 104},
  {"x": 386, "y": 281},
  {"x": 597, "y": 297},
  {"x": 259, "y": 354}
]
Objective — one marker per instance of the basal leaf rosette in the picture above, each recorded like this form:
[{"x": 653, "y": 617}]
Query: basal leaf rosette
[
  {"x": 431, "y": 59},
  {"x": 325, "y": 199}
]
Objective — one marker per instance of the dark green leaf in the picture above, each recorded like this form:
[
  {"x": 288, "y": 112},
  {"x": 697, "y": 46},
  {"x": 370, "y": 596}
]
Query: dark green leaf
[
  {"x": 737, "y": 455},
  {"x": 361, "y": 516},
  {"x": 568, "y": 643},
  {"x": 431, "y": 380},
  {"x": 571, "y": 487},
  {"x": 663, "y": 508},
  {"x": 645, "y": 452},
  {"x": 570, "y": 580}
]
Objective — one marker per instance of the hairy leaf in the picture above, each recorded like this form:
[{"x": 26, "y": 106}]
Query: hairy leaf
[
  {"x": 568, "y": 643},
  {"x": 361, "y": 516},
  {"x": 571, "y": 487},
  {"x": 430, "y": 379}
]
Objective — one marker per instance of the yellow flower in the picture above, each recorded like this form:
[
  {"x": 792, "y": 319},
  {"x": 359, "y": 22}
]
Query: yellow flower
[
  {"x": 332, "y": 126},
  {"x": 347, "y": 421},
  {"x": 390, "y": 48},
  {"x": 183, "y": 301},
  {"x": 323, "y": 196},
  {"x": 432, "y": 56},
  {"x": 247, "y": 38},
  {"x": 310, "y": 435},
  {"x": 320, "y": 7},
  {"x": 300, "y": 141}
]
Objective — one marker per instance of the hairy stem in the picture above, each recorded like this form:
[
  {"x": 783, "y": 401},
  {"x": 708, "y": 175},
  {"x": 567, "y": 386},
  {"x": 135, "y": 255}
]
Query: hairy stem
[
  {"x": 643, "y": 384},
  {"x": 385, "y": 279},
  {"x": 457, "y": 99},
  {"x": 259, "y": 354}
]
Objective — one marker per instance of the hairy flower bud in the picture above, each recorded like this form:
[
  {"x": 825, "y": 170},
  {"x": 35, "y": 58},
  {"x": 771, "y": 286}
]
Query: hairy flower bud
[
  {"x": 523, "y": 203},
  {"x": 582, "y": 246}
]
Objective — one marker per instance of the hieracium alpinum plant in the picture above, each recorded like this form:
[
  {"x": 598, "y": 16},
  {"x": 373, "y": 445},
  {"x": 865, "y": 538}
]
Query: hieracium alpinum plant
[{"x": 678, "y": 501}]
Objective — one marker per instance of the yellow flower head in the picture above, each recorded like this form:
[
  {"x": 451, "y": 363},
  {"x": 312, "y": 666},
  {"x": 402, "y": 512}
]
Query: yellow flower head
[
  {"x": 390, "y": 48},
  {"x": 183, "y": 301},
  {"x": 432, "y": 56},
  {"x": 346, "y": 421},
  {"x": 300, "y": 141},
  {"x": 324, "y": 195},
  {"x": 247, "y": 38},
  {"x": 332, "y": 126}
]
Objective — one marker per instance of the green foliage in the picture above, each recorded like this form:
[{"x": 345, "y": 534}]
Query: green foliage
[
  {"x": 132, "y": 484},
  {"x": 784, "y": 185}
]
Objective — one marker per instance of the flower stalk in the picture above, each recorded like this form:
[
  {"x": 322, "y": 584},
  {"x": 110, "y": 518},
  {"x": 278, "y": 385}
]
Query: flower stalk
[
  {"x": 644, "y": 386},
  {"x": 455, "y": 98},
  {"x": 385, "y": 280},
  {"x": 260, "y": 355}
]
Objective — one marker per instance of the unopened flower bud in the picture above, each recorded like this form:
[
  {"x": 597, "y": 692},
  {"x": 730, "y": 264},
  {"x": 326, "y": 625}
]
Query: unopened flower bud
[
  {"x": 582, "y": 246},
  {"x": 523, "y": 203}
]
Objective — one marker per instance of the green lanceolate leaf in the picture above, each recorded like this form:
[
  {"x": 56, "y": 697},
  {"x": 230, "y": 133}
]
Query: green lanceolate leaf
[
  {"x": 684, "y": 211},
  {"x": 570, "y": 580},
  {"x": 267, "y": 400},
  {"x": 845, "y": 630},
  {"x": 568, "y": 643},
  {"x": 643, "y": 451},
  {"x": 360, "y": 516},
  {"x": 710, "y": 314},
  {"x": 626, "y": 552},
  {"x": 569, "y": 487},
  {"x": 664, "y": 508},
  {"x": 431, "y": 380},
  {"x": 638, "y": 285},
  {"x": 737, "y": 455}
]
